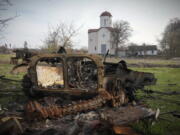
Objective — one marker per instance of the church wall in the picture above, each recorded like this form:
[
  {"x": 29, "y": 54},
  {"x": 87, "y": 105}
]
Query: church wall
[
  {"x": 92, "y": 43},
  {"x": 103, "y": 38}
]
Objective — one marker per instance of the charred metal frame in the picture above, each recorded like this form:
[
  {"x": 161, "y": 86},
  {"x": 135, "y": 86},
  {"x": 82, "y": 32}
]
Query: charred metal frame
[{"x": 64, "y": 57}]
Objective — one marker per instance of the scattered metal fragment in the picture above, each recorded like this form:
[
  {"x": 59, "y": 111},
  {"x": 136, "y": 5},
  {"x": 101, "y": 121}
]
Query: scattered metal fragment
[
  {"x": 10, "y": 126},
  {"x": 124, "y": 130},
  {"x": 176, "y": 114}
]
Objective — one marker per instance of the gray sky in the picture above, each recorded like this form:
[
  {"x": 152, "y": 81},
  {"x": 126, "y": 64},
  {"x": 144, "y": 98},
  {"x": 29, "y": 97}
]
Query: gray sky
[{"x": 147, "y": 18}]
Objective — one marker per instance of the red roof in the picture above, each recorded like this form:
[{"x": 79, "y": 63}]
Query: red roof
[
  {"x": 110, "y": 28},
  {"x": 106, "y": 13},
  {"x": 92, "y": 30},
  {"x": 95, "y": 30}
]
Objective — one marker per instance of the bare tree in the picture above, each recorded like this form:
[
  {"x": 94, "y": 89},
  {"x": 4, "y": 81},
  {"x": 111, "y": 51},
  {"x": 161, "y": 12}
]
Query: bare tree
[
  {"x": 120, "y": 34},
  {"x": 4, "y": 21},
  {"x": 170, "y": 42},
  {"x": 61, "y": 35},
  {"x": 25, "y": 45}
]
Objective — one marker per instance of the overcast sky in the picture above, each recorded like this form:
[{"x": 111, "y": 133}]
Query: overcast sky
[{"x": 147, "y": 18}]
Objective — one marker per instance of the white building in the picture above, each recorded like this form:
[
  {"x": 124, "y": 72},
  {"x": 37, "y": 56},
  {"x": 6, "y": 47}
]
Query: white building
[
  {"x": 99, "y": 40},
  {"x": 142, "y": 50}
]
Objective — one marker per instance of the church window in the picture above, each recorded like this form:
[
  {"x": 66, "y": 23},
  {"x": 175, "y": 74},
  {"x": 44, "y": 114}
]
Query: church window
[
  {"x": 104, "y": 21},
  {"x": 103, "y": 35},
  {"x": 95, "y": 48}
]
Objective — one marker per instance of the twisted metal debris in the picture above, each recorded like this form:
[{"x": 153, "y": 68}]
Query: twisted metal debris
[{"x": 35, "y": 110}]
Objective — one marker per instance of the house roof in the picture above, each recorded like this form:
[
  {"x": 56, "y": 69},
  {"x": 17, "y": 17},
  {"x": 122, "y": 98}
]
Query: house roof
[
  {"x": 122, "y": 48},
  {"x": 92, "y": 30},
  {"x": 96, "y": 30},
  {"x": 142, "y": 47},
  {"x": 106, "y": 13}
]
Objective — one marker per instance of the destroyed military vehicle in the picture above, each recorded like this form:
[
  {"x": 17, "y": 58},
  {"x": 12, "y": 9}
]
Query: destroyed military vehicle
[{"x": 75, "y": 83}]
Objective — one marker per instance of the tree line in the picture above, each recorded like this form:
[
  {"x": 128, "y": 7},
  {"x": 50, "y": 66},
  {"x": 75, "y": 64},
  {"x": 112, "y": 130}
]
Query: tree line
[{"x": 170, "y": 42}]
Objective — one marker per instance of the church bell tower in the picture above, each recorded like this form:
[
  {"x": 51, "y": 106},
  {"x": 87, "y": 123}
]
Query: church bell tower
[{"x": 106, "y": 19}]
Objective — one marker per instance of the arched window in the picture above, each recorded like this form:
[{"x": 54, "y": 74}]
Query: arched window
[
  {"x": 103, "y": 35},
  {"x": 104, "y": 22}
]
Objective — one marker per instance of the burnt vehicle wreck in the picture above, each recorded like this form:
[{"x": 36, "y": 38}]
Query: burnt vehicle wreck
[
  {"x": 61, "y": 84},
  {"x": 73, "y": 94}
]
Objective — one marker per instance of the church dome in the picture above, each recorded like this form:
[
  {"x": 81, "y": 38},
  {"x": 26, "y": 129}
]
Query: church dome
[{"x": 106, "y": 13}]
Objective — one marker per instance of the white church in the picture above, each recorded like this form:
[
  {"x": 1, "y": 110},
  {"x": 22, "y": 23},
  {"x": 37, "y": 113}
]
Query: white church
[{"x": 99, "y": 40}]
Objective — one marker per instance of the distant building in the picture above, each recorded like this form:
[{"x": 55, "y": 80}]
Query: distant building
[
  {"x": 99, "y": 40},
  {"x": 122, "y": 51},
  {"x": 143, "y": 50}
]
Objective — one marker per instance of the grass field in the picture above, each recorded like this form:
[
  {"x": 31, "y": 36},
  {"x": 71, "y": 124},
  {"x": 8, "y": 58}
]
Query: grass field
[
  {"x": 156, "y": 62},
  {"x": 5, "y": 58},
  {"x": 168, "y": 80}
]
